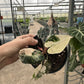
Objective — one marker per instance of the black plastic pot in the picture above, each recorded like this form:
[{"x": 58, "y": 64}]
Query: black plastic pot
[
  {"x": 8, "y": 29},
  {"x": 57, "y": 61}
]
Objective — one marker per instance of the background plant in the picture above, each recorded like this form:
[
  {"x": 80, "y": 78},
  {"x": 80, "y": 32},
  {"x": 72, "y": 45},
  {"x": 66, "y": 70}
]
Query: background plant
[{"x": 77, "y": 46}]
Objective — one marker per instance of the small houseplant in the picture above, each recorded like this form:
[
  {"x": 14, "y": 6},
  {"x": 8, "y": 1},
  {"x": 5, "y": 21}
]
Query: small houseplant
[{"x": 51, "y": 61}]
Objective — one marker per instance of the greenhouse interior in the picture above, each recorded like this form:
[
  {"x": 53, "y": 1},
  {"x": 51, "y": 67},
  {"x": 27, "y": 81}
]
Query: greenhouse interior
[{"x": 58, "y": 25}]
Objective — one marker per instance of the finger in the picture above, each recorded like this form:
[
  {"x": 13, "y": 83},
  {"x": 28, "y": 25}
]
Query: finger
[
  {"x": 27, "y": 41},
  {"x": 24, "y": 36},
  {"x": 30, "y": 41}
]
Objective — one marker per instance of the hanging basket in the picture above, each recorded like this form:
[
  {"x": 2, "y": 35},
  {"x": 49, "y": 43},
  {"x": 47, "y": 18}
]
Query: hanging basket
[
  {"x": 57, "y": 51},
  {"x": 57, "y": 61}
]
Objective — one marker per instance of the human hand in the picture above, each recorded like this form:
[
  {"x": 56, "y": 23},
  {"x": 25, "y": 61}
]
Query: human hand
[{"x": 11, "y": 49}]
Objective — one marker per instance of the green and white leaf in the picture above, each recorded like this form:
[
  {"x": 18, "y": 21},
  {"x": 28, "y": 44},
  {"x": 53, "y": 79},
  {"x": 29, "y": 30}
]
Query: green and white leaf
[
  {"x": 51, "y": 40},
  {"x": 36, "y": 57},
  {"x": 60, "y": 45},
  {"x": 61, "y": 37},
  {"x": 49, "y": 44},
  {"x": 78, "y": 33}
]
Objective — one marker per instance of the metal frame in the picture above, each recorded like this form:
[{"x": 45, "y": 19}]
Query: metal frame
[
  {"x": 83, "y": 10},
  {"x": 66, "y": 66},
  {"x": 71, "y": 12},
  {"x": 12, "y": 13},
  {"x": 3, "y": 40}
]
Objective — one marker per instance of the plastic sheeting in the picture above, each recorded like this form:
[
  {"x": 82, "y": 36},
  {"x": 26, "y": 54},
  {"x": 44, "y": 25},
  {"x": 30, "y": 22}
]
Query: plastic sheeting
[{"x": 36, "y": 6}]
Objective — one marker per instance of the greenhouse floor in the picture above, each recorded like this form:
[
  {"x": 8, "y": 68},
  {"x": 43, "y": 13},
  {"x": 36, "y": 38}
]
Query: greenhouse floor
[{"x": 19, "y": 73}]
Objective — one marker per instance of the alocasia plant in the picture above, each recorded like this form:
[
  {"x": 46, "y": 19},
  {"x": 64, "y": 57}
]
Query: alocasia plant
[{"x": 77, "y": 46}]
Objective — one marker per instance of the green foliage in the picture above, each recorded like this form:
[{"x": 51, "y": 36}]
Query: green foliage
[
  {"x": 78, "y": 33},
  {"x": 44, "y": 23},
  {"x": 53, "y": 38},
  {"x": 44, "y": 18},
  {"x": 77, "y": 46},
  {"x": 61, "y": 19},
  {"x": 36, "y": 58},
  {"x": 39, "y": 33},
  {"x": 43, "y": 33},
  {"x": 22, "y": 24},
  {"x": 38, "y": 75},
  {"x": 81, "y": 54},
  {"x": 27, "y": 20},
  {"x": 73, "y": 63},
  {"x": 21, "y": 20}
]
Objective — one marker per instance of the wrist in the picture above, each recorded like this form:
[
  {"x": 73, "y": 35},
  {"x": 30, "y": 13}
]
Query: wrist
[
  {"x": 2, "y": 56},
  {"x": 2, "y": 64}
]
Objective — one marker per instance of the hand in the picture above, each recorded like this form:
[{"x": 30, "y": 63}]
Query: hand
[{"x": 9, "y": 51}]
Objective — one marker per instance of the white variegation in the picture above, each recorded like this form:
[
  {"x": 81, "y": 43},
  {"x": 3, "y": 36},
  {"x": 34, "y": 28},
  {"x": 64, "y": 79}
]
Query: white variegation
[
  {"x": 59, "y": 46},
  {"x": 49, "y": 44}
]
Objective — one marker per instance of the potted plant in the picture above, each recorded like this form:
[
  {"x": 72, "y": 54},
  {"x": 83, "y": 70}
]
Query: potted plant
[{"x": 50, "y": 59}]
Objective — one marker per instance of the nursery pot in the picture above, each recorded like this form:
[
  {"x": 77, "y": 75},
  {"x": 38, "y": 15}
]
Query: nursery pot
[
  {"x": 8, "y": 29},
  {"x": 57, "y": 61}
]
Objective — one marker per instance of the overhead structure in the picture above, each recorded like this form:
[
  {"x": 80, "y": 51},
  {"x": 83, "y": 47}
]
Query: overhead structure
[
  {"x": 36, "y": 6},
  {"x": 27, "y": 8}
]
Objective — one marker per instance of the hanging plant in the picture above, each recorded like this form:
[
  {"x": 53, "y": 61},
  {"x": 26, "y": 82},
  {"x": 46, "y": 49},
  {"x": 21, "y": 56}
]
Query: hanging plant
[{"x": 48, "y": 61}]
